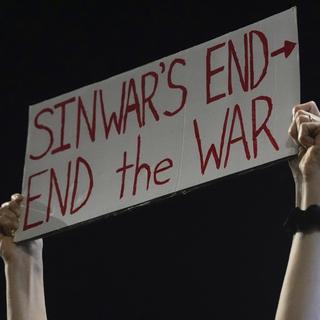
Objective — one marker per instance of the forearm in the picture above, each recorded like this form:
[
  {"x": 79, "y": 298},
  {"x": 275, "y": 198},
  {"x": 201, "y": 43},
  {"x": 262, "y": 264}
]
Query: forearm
[
  {"x": 25, "y": 291},
  {"x": 300, "y": 295}
]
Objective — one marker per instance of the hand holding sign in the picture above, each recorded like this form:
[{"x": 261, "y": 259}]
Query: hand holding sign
[
  {"x": 9, "y": 221},
  {"x": 305, "y": 131},
  {"x": 302, "y": 115},
  {"x": 23, "y": 266}
]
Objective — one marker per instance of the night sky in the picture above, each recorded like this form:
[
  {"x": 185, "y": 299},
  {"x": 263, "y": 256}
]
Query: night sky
[{"x": 218, "y": 252}]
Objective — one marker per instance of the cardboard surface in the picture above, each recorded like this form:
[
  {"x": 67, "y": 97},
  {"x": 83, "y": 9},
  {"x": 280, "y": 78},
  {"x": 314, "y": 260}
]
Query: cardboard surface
[{"x": 206, "y": 112}]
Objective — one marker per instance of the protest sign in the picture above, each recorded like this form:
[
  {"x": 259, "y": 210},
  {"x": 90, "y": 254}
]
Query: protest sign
[{"x": 210, "y": 111}]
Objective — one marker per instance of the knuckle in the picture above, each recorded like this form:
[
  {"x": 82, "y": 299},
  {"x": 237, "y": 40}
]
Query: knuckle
[
  {"x": 291, "y": 132},
  {"x": 312, "y": 104},
  {"x": 295, "y": 109},
  {"x": 303, "y": 126},
  {"x": 300, "y": 121},
  {"x": 16, "y": 196},
  {"x": 301, "y": 140},
  {"x": 5, "y": 204},
  {"x": 299, "y": 107},
  {"x": 300, "y": 113}
]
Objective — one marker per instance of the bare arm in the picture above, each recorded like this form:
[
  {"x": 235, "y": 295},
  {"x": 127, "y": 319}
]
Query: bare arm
[
  {"x": 300, "y": 294},
  {"x": 23, "y": 268}
]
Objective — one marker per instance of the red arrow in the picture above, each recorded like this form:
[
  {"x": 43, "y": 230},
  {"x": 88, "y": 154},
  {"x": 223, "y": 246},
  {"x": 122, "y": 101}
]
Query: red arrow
[{"x": 286, "y": 49}]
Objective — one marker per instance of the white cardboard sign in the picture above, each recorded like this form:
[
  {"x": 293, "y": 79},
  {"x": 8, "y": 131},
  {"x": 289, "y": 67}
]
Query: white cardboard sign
[{"x": 221, "y": 107}]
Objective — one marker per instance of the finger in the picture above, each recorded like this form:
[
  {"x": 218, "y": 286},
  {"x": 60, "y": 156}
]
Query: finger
[
  {"x": 8, "y": 214},
  {"x": 7, "y": 225},
  {"x": 9, "y": 220},
  {"x": 308, "y": 132},
  {"x": 13, "y": 206},
  {"x": 293, "y": 132},
  {"x": 300, "y": 117},
  {"x": 310, "y": 107},
  {"x": 5, "y": 204},
  {"x": 17, "y": 197}
]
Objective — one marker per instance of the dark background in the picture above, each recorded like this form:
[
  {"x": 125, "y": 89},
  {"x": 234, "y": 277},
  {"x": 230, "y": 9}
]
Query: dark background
[{"x": 218, "y": 252}]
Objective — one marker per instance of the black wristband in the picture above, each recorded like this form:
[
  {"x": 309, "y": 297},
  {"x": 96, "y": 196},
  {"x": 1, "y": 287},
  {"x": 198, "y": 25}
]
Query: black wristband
[{"x": 303, "y": 220}]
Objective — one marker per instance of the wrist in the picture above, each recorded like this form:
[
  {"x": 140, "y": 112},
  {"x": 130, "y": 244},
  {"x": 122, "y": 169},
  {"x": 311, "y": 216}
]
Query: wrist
[
  {"x": 24, "y": 282},
  {"x": 24, "y": 264},
  {"x": 300, "y": 220},
  {"x": 298, "y": 191},
  {"x": 28, "y": 254},
  {"x": 310, "y": 191}
]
